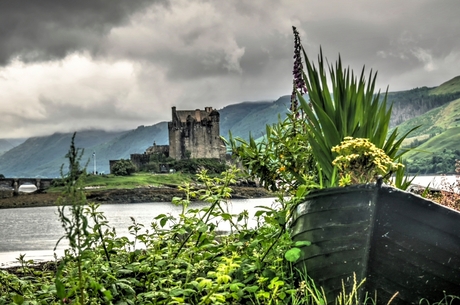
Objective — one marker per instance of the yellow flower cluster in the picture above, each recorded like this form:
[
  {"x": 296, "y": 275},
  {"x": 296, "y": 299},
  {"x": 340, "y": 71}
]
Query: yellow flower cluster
[{"x": 359, "y": 161}]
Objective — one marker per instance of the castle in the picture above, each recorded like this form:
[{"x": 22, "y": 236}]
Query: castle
[{"x": 192, "y": 134}]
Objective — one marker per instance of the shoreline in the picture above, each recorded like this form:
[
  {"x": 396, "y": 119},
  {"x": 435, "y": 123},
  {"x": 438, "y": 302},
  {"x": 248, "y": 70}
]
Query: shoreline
[{"x": 113, "y": 196}]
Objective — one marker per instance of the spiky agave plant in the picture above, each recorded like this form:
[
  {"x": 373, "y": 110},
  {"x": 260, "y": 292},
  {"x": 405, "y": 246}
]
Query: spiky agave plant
[{"x": 348, "y": 107}]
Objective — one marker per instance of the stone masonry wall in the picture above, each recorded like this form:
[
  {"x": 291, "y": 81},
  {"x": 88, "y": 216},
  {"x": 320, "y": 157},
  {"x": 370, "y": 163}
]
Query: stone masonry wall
[{"x": 196, "y": 133}]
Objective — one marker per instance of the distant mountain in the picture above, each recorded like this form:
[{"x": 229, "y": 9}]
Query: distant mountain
[
  {"x": 437, "y": 108},
  {"x": 251, "y": 117},
  {"x": 43, "y": 156},
  {"x": 7, "y": 144}
]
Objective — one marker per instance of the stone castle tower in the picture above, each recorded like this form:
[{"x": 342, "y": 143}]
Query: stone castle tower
[{"x": 195, "y": 134}]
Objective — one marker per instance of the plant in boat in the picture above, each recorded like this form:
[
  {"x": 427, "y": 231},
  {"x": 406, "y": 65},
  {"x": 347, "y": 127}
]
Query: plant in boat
[
  {"x": 342, "y": 105},
  {"x": 299, "y": 150},
  {"x": 360, "y": 161}
]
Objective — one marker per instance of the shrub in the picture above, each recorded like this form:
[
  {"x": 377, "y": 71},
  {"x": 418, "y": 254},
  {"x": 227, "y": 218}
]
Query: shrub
[{"x": 123, "y": 168}]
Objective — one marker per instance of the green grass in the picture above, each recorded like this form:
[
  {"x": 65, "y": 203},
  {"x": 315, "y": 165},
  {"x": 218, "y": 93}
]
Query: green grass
[
  {"x": 134, "y": 181},
  {"x": 450, "y": 86},
  {"x": 434, "y": 121},
  {"x": 449, "y": 116},
  {"x": 426, "y": 122},
  {"x": 449, "y": 139}
]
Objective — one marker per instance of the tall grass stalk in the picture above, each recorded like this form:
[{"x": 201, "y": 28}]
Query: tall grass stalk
[{"x": 75, "y": 225}]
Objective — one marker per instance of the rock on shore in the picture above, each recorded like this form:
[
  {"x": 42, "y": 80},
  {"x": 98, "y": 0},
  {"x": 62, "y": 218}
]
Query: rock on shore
[{"x": 137, "y": 195}]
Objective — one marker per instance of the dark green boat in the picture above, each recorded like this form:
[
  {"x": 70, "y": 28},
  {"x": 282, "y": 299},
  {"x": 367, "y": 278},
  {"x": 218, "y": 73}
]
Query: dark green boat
[{"x": 398, "y": 241}]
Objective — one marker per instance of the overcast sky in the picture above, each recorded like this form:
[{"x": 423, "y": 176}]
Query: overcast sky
[{"x": 117, "y": 64}]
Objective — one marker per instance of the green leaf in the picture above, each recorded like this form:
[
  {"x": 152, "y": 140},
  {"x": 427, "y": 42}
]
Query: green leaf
[
  {"x": 60, "y": 289},
  {"x": 203, "y": 228},
  {"x": 226, "y": 216},
  {"x": 302, "y": 243},
  {"x": 252, "y": 289},
  {"x": 163, "y": 221},
  {"x": 292, "y": 255},
  {"x": 18, "y": 299}
]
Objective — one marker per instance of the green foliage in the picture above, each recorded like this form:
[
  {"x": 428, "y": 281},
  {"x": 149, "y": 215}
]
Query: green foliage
[
  {"x": 181, "y": 259},
  {"x": 349, "y": 107},
  {"x": 282, "y": 160},
  {"x": 346, "y": 108},
  {"x": 123, "y": 168},
  {"x": 178, "y": 259},
  {"x": 75, "y": 225},
  {"x": 2, "y": 176},
  {"x": 401, "y": 180}
]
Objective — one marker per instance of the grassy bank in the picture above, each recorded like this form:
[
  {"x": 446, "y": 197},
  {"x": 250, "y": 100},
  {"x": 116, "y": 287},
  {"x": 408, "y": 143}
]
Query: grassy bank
[{"x": 136, "y": 180}]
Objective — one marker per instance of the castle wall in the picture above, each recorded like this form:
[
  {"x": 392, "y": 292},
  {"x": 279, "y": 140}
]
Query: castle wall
[
  {"x": 195, "y": 132},
  {"x": 192, "y": 134},
  {"x": 158, "y": 149},
  {"x": 140, "y": 159}
]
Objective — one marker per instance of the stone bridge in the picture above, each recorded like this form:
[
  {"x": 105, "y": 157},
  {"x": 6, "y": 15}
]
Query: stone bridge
[{"x": 15, "y": 183}]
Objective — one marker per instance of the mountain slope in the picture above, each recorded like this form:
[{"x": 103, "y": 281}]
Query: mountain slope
[
  {"x": 434, "y": 121},
  {"x": 7, "y": 144},
  {"x": 436, "y": 143},
  {"x": 251, "y": 118},
  {"x": 435, "y": 108},
  {"x": 43, "y": 156},
  {"x": 449, "y": 87}
]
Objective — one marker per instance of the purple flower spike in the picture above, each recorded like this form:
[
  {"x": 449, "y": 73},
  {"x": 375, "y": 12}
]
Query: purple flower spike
[
  {"x": 294, "y": 102},
  {"x": 299, "y": 82}
]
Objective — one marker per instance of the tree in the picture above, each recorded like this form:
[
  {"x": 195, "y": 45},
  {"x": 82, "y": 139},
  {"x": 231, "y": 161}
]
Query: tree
[
  {"x": 123, "y": 168},
  {"x": 2, "y": 176}
]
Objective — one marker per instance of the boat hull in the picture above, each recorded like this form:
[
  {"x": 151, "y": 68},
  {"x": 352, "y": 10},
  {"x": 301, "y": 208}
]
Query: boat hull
[{"x": 397, "y": 241}]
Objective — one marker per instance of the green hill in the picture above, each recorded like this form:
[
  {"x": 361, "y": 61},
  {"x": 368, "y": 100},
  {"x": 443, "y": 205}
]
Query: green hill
[
  {"x": 437, "y": 155},
  {"x": 413, "y": 103},
  {"x": 433, "y": 122},
  {"x": 436, "y": 143},
  {"x": 449, "y": 87}
]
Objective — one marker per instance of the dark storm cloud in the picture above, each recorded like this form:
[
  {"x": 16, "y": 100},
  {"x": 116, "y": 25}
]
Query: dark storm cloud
[
  {"x": 49, "y": 29},
  {"x": 122, "y": 63}
]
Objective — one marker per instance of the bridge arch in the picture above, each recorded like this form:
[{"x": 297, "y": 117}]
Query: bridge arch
[{"x": 14, "y": 183}]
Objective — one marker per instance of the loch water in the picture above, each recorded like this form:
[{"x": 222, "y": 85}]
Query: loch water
[{"x": 35, "y": 231}]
